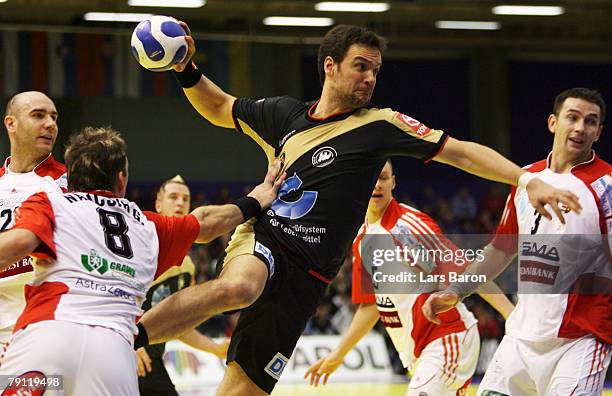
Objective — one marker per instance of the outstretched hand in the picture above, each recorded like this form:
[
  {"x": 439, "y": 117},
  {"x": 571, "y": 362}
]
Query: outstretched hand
[
  {"x": 542, "y": 194},
  {"x": 179, "y": 67},
  {"x": 267, "y": 191},
  {"x": 323, "y": 368},
  {"x": 437, "y": 303}
]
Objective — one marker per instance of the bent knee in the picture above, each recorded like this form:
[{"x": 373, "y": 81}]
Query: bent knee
[{"x": 239, "y": 293}]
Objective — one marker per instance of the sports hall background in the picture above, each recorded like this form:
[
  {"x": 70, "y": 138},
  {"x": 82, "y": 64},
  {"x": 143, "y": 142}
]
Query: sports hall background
[{"x": 493, "y": 87}]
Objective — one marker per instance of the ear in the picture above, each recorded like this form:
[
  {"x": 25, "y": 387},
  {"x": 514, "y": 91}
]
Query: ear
[
  {"x": 328, "y": 65},
  {"x": 157, "y": 205},
  {"x": 121, "y": 186},
  {"x": 10, "y": 123},
  {"x": 393, "y": 177},
  {"x": 599, "y": 130},
  {"x": 552, "y": 123}
]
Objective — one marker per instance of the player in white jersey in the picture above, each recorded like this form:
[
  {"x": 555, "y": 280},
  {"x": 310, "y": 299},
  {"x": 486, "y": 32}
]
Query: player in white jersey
[
  {"x": 31, "y": 122},
  {"x": 101, "y": 254},
  {"x": 173, "y": 199},
  {"x": 558, "y": 338},
  {"x": 440, "y": 358}
]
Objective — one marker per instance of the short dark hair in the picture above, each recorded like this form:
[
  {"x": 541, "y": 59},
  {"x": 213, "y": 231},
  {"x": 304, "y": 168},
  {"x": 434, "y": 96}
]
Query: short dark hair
[
  {"x": 339, "y": 39},
  {"x": 94, "y": 157},
  {"x": 590, "y": 95}
]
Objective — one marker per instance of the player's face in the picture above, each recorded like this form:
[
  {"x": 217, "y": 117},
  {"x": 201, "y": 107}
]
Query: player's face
[
  {"x": 355, "y": 77},
  {"x": 383, "y": 191},
  {"x": 576, "y": 128},
  {"x": 175, "y": 200},
  {"x": 33, "y": 124}
]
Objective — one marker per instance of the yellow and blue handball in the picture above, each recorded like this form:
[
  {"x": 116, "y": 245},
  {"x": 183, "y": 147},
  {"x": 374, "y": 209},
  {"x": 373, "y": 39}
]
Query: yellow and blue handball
[{"x": 158, "y": 43}]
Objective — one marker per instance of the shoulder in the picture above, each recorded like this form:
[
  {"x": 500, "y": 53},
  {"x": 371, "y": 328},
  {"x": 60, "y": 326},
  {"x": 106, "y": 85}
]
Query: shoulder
[{"x": 536, "y": 166}]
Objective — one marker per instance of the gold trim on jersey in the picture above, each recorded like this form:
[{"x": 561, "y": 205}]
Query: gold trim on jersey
[
  {"x": 268, "y": 150},
  {"x": 305, "y": 141},
  {"x": 242, "y": 242}
]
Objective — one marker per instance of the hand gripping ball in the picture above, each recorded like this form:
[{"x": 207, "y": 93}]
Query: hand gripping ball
[{"x": 158, "y": 43}]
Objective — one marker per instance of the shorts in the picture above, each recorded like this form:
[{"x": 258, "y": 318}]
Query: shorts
[
  {"x": 560, "y": 366},
  {"x": 268, "y": 330},
  {"x": 446, "y": 365},
  {"x": 90, "y": 360},
  {"x": 157, "y": 382}
]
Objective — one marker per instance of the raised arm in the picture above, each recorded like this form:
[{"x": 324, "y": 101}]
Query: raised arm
[
  {"x": 15, "y": 245},
  {"x": 364, "y": 320},
  {"x": 205, "y": 96},
  {"x": 489, "y": 164}
]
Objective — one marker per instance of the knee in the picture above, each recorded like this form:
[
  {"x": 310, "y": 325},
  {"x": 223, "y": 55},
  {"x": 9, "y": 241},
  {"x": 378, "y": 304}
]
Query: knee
[{"x": 239, "y": 293}]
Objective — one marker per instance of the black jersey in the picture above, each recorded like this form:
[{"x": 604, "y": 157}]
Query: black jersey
[{"x": 332, "y": 165}]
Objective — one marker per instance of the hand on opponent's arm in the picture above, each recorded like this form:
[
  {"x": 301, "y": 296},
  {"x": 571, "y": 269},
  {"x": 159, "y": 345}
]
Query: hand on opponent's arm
[{"x": 487, "y": 163}]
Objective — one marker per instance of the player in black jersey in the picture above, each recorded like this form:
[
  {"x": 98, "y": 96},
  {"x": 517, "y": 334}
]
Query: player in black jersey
[
  {"x": 173, "y": 199},
  {"x": 278, "y": 266}
]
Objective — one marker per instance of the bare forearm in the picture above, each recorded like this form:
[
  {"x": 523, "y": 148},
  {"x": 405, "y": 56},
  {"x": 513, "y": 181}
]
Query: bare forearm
[
  {"x": 364, "y": 320},
  {"x": 211, "y": 102},
  {"x": 216, "y": 220},
  {"x": 493, "y": 263},
  {"x": 480, "y": 160},
  {"x": 15, "y": 245},
  {"x": 197, "y": 340},
  {"x": 493, "y": 295}
]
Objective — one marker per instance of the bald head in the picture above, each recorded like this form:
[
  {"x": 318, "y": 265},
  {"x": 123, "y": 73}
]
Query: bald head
[{"x": 23, "y": 99}]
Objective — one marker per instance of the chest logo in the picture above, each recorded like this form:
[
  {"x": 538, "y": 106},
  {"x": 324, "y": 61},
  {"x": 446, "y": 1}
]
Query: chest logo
[{"x": 324, "y": 156}]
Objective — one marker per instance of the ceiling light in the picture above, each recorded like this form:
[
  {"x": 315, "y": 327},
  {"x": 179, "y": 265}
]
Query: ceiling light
[
  {"x": 297, "y": 21},
  {"x": 3, "y": 1},
  {"x": 167, "y": 3},
  {"x": 115, "y": 16},
  {"x": 528, "y": 10},
  {"x": 470, "y": 25},
  {"x": 345, "y": 6}
]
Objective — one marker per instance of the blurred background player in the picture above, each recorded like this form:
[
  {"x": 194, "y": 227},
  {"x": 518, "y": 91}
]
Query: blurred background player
[
  {"x": 441, "y": 358},
  {"x": 558, "y": 337},
  {"x": 31, "y": 122},
  {"x": 103, "y": 253},
  {"x": 173, "y": 199},
  {"x": 333, "y": 149}
]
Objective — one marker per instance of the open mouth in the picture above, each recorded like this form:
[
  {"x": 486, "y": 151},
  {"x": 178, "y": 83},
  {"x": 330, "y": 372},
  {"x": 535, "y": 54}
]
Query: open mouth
[
  {"x": 576, "y": 140},
  {"x": 377, "y": 195}
]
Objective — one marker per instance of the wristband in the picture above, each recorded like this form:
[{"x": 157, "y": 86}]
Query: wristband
[
  {"x": 142, "y": 339},
  {"x": 249, "y": 206},
  {"x": 464, "y": 289},
  {"x": 525, "y": 178},
  {"x": 188, "y": 77}
]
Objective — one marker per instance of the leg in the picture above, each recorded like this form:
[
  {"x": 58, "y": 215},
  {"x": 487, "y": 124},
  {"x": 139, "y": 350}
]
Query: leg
[
  {"x": 237, "y": 383},
  {"x": 241, "y": 282},
  {"x": 581, "y": 369},
  {"x": 507, "y": 373}
]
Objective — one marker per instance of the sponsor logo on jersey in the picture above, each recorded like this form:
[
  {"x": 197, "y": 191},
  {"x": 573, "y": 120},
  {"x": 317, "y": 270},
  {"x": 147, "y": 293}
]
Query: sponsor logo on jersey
[
  {"x": 390, "y": 319},
  {"x": 532, "y": 249},
  {"x": 93, "y": 262},
  {"x": 534, "y": 271},
  {"x": 417, "y": 126},
  {"x": 112, "y": 290},
  {"x": 264, "y": 251},
  {"x": 603, "y": 189},
  {"x": 287, "y": 136},
  {"x": 276, "y": 366},
  {"x": 384, "y": 302},
  {"x": 324, "y": 156}
]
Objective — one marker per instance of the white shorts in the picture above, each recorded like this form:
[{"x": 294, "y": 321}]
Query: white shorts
[
  {"x": 92, "y": 360},
  {"x": 561, "y": 366},
  {"x": 446, "y": 365}
]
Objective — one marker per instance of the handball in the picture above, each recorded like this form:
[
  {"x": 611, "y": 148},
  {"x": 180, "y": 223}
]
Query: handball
[{"x": 158, "y": 43}]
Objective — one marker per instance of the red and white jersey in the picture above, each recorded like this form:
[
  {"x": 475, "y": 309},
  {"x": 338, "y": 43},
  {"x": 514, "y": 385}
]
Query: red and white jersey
[
  {"x": 565, "y": 274},
  {"x": 15, "y": 188},
  {"x": 401, "y": 314},
  {"x": 105, "y": 252}
]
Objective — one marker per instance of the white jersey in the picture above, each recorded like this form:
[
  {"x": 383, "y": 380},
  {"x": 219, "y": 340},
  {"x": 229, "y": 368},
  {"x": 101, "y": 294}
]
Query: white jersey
[
  {"x": 15, "y": 188},
  {"x": 400, "y": 313},
  {"x": 565, "y": 272},
  {"x": 106, "y": 253}
]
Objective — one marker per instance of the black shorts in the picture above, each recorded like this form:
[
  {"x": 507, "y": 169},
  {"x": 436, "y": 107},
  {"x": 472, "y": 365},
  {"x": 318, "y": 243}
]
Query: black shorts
[
  {"x": 267, "y": 331},
  {"x": 157, "y": 382}
]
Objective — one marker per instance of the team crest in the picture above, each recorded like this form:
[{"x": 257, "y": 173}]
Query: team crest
[{"x": 324, "y": 156}]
